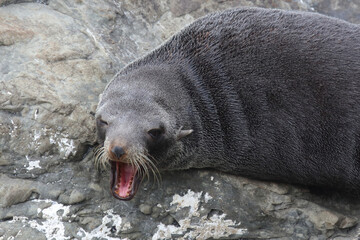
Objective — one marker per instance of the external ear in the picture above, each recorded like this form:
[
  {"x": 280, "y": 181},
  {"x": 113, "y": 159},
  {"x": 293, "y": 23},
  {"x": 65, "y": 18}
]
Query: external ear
[{"x": 183, "y": 133}]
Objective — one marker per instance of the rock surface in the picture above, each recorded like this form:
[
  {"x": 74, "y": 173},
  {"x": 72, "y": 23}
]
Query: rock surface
[{"x": 56, "y": 58}]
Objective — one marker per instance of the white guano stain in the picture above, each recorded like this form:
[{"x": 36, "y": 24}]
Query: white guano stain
[
  {"x": 103, "y": 231},
  {"x": 207, "y": 197},
  {"x": 216, "y": 227},
  {"x": 66, "y": 146},
  {"x": 36, "y": 113},
  {"x": 14, "y": 129},
  {"x": 193, "y": 227},
  {"x": 32, "y": 164},
  {"x": 165, "y": 231},
  {"x": 52, "y": 225},
  {"x": 18, "y": 219},
  {"x": 190, "y": 199},
  {"x": 37, "y": 135}
]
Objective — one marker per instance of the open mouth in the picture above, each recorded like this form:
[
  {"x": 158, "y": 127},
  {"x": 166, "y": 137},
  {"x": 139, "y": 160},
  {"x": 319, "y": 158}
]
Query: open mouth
[{"x": 124, "y": 180}]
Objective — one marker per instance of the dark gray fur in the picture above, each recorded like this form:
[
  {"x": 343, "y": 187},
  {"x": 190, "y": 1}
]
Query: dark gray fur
[{"x": 270, "y": 94}]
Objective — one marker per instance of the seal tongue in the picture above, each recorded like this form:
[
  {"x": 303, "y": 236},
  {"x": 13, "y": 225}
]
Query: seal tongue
[{"x": 127, "y": 174}]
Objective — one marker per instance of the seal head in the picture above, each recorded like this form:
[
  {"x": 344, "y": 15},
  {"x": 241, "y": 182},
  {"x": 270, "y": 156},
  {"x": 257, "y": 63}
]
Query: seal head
[{"x": 137, "y": 130}]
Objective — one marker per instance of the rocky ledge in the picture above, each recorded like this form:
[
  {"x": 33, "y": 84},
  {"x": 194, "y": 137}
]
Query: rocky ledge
[{"x": 56, "y": 58}]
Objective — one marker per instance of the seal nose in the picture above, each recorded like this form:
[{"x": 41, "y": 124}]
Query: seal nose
[{"x": 118, "y": 151}]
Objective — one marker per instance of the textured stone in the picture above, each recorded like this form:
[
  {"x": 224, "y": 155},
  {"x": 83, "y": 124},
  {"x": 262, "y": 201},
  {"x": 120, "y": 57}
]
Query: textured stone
[
  {"x": 145, "y": 209},
  {"x": 76, "y": 197},
  {"x": 348, "y": 222},
  {"x": 156, "y": 211},
  {"x": 348, "y": 10},
  {"x": 182, "y": 7},
  {"x": 73, "y": 198},
  {"x": 324, "y": 219},
  {"x": 14, "y": 191},
  {"x": 57, "y": 57}
]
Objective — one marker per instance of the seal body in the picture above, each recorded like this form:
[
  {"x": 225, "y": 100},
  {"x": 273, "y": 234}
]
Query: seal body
[{"x": 267, "y": 94}]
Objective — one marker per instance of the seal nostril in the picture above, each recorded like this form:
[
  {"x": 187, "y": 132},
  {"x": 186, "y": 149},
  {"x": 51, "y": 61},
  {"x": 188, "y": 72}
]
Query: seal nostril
[{"x": 118, "y": 151}]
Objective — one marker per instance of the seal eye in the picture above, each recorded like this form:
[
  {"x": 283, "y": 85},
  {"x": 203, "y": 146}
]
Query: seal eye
[
  {"x": 102, "y": 123},
  {"x": 155, "y": 133}
]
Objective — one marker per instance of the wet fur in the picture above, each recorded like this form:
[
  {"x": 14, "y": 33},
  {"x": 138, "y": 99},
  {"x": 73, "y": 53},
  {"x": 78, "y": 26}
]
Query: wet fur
[{"x": 269, "y": 94}]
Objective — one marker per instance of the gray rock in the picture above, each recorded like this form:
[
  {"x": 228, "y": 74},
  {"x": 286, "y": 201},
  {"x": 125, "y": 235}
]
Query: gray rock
[
  {"x": 348, "y": 10},
  {"x": 182, "y": 7},
  {"x": 71, "y": 198},
  {"x": 15, "y": 230},
  {"x": 347, "y": 222},
  {"x": 156, "y": 212},
  {"x": 57, "y": 57},
  {"x": 145, "y": 209},
  {"x": 14, "y": 191},
  {"x": 76, "y": 197},
  {"x": 90, "y": 222}
]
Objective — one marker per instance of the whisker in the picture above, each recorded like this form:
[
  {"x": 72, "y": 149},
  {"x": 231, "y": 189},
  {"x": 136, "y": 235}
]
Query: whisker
[
  {"x": 144, "y": 169},
  {"x": 142, "y": 161},
  {"x": 151, "y": 165},
  {"x": 101, "y": 159}
]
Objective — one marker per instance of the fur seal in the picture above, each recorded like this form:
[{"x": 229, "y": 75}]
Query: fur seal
[{"x": 267, "y": 94}]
